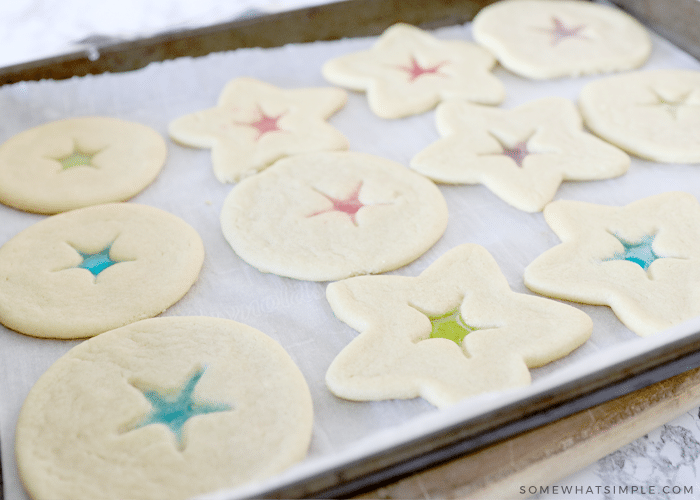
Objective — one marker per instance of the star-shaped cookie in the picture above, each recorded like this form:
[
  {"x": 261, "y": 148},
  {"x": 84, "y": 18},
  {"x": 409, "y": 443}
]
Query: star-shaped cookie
[
  {"x": 408, "y": 71},
  {"x": 455, "y": 331},
  {"x": 642, "y": 260},
  {"x": 543, "y": 39},
  {"x": 255, "y": 124},
  {"x": 522, "y": 154}
]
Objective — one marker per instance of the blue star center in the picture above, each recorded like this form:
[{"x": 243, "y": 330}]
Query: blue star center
[
  {"x": 96, "y": 262},
  {"x": 640, "y": 252},
  {"x": 174, "y": 411}
]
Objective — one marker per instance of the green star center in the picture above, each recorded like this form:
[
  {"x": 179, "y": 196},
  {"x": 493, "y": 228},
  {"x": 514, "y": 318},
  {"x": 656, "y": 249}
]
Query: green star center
[
  {"x": 450, "y": 326},
  {"x": 76, "y": 159}
]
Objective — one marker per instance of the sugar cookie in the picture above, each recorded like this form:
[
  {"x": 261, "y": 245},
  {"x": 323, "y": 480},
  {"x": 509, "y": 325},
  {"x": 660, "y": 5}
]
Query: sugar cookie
[
  {"x": 522, "y": 155},
  {"x": 78, "y": 162},
  {"x": 167, "y": 407},
  {"x": 326, "y": 216},
  {"x": 83, "y": 272},
  {"x": 651, "y": 114},
  {"x": 255, "y": 123},
  {"x": 642, "y": 260},
  {"x": 408, "y": 71},
  {"x": 454, "y": 331},
  {"x": 543, "y": 39}
]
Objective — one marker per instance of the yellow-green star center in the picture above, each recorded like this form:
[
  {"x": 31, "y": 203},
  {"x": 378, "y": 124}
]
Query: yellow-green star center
[
  {"x": 76, "y": 159},
  {"x": 450, "y": 326}
]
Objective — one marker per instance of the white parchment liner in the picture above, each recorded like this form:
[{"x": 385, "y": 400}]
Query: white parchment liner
[{"x": 296, "y": 313}]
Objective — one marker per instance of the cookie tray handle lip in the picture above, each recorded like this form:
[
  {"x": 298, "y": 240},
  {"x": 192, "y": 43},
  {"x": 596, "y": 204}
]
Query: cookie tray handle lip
[
  {"x": 332, "y": 21},
  {"x": 473, "y": 434}
]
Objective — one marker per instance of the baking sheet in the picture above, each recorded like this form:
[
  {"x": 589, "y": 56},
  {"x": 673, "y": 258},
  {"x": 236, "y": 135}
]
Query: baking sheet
[{"x": 295, "y": 313}]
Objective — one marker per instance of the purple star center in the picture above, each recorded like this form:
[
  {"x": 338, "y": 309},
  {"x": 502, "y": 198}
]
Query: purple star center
[
  {"x": 349, "y": 205},
  {"x": 517, "y": 153},
  {"x": 415, "y": 69},
  {"x": 560, "y": 31}
]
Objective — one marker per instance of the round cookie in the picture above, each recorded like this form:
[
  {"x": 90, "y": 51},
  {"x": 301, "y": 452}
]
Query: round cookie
[
  {"x": 163, "y": 408},
  {"x": 543, "y": 39},
  {"x": 651, "y": 114},
  {"x": 331, "y": 215},
  {"x": 78, "y": 162},
  {"x": 83, "y": 272}
]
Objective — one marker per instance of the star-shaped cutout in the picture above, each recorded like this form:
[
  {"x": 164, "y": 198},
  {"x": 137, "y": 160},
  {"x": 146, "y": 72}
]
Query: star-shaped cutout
[
  {"x": 516, "y": 152},
  {"x": 174, "y": 408},
  {"x": 450, "y": 326},
  {"x": 415, "y": 70},
  {"x": 239, "y": 128},
  {"x": 659, "y": 234},
  {"x": 671, "y": 105},
  {"x": 77, "y": 158},
  {"x": 349, "y": 205},
  {"x": 560, "y": 31},
  {"x": 486, "y": 145},
  {"x": 265, "y": 124},
  {"x": 382, "y": 72},
  {"x": 485, "y": 337},
  {"x": 96, "y": 262},
  {"x": 640, "y": 251}
]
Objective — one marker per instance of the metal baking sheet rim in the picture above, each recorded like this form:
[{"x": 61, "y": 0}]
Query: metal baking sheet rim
[{"x": 351, "y": 476}]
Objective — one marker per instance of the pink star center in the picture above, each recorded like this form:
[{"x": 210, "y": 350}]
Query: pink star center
[
  {"x": 517, "y": 153},
  {"x": 265, "y": 123},
  {"x": 415, "y": 69},
  {"x": 561, "y": 31},
  {"x": 350, "y": 205}
]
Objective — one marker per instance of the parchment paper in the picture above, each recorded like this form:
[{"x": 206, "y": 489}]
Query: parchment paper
[{"x": 295, "y": 313}]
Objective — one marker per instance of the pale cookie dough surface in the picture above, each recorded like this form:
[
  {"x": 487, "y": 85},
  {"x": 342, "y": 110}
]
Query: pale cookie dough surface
[
  {"x": 163, "y": 408},
  {"x": 543, "y": 39},
  {"x": 143, "y": 260},
  {"x": 408, "y": 71},
  {"x": 327, "y": 216},
  {"x": 78, "y": 162},
  {"x": 397, "y": 354},
  {"x": 255, "y": 124},
  {"x": 522, "y": 154},
  {"x": 642, "y": 260},
  {"x": 651, "y": 114}
]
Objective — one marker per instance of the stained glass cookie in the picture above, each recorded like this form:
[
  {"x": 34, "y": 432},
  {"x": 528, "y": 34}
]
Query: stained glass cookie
[
  {"x": 454, "y": 331},
  {"x": 78, "y": 162},
  {"x": 169, "y": 407},
  {"x": 255, "y": 124},
  {"x": 83, "y": 272},
  {"x": 327, "y": 216},
  {"x": 651, "y": 114},
  {"x": 408, "y": 71},
  {"x": 543, "y": 39},
  {"x": 641, "y": 259},
  {"x": 522, "y": 154}
]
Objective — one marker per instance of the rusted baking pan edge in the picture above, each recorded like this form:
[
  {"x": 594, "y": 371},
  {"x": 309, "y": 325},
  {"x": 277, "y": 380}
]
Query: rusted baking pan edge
[
  {"x": 469, "y": 436},
  {"x": 349, "y": 18}
]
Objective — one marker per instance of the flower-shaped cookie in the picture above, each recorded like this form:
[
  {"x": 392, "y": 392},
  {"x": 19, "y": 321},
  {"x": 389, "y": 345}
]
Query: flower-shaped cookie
[
  {"x": 642, "y": 260},
  {"x": 255, "y": 124},
  {"x": 408, "y": 71},
  {"x": 542, "y": 39},
  {"x": 454, "y": 331},
  {"x": 651, "y": 114},
  {"x": 522, "y": 155}
]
